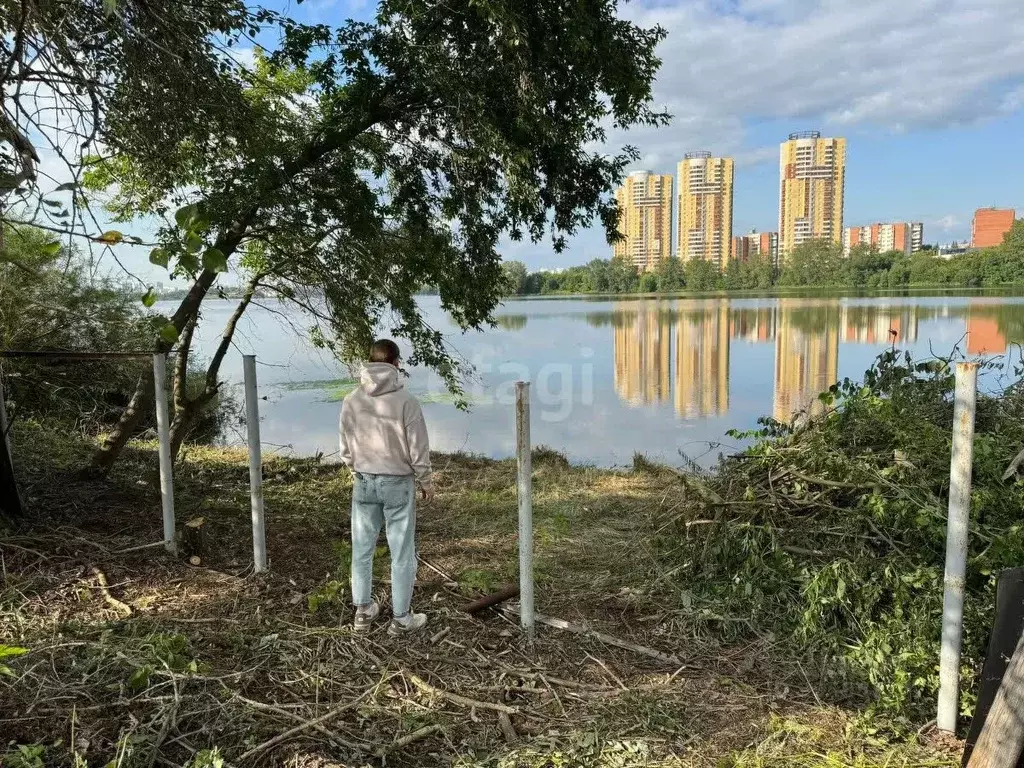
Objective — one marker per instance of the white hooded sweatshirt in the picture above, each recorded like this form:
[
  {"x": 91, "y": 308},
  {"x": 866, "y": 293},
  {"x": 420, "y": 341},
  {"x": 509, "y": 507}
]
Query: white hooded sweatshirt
[{"x": 382, "y": 427}]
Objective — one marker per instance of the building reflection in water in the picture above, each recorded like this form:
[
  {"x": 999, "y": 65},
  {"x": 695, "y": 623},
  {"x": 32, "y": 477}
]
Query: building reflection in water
[
  {"x": 702, "y": 361},
  {"x": 984, "y": 335},
  {"x": 642, "y": 356},
  {"x": 682, "y": 354},
  {"x": 806, "y": 358}
]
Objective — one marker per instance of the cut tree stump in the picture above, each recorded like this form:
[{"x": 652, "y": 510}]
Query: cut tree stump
[{"x": 193, "y": 540}]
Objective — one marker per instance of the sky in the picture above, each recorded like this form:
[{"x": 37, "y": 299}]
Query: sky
[{"x": 928, "y": 93}]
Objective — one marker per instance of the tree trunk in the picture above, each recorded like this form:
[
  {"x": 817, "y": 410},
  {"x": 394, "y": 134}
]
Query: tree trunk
[
  {"x": 187, "y": 411},
  {"x": 11, "y": 505},
  {"x": 107, "y": 453},
  {"x": 114, "y": 443}
]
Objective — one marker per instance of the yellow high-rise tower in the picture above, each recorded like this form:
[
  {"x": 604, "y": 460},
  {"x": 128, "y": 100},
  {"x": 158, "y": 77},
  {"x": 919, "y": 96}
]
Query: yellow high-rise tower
[
  {"x": 705, "y": 208},
  {"x": 645, "y": 219},
  {"x": 812, "y": 179}
]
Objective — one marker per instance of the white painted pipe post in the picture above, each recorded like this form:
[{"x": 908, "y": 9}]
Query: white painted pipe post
[
  {"x": 524, "y": 490},
  {"x": 163, "y": 429},
  {"x": 956, "y": 545},
  {"x": 252, "y": 428}
]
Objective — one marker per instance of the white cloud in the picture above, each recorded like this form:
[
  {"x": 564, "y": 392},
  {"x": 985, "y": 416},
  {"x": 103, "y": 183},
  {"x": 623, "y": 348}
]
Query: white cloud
[
  {"x": 946, "y": 223},
  {"x": 832, "y": 64}
]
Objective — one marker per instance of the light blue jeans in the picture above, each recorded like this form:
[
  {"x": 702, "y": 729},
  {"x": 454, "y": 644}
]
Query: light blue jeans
[{"x": 391, "y": 500}]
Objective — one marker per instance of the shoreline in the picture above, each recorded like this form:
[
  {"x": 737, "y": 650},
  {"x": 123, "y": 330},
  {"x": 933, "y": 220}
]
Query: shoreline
[{"x": 1007, "y": 290}]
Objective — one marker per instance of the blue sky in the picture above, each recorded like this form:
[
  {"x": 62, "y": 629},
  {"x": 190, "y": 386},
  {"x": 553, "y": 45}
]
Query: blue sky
[{"x": 928, "y": 93}]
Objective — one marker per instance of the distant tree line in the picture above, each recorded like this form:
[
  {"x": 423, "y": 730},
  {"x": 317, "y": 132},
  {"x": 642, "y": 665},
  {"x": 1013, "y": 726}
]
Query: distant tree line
[{"x": 818, "y": 263}]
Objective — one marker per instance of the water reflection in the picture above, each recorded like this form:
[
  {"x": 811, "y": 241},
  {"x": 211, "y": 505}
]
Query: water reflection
[
  {"x": 614, "y": 378},
  {"x": 664, "y": 352}
]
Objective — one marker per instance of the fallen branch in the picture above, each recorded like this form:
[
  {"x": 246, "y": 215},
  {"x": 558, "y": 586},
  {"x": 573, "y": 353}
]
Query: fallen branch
[
  {"x": 829, "y": 483},
  {"x": 319, "y": 728},
  {"x": 1014, "y": 465},
  {"x": 309, "y": 724},
  {"x": 505, "y": 593},
  {"x": 802, "y": 551},
  {"x": 440, "y": 635},
  {"x": 462, "y": 701},
  {"x": 578, "y": 629},
  {"x": 405, "y": 741},
  {"x": 101, "y": 579},
  {"x": 507, "y": 729}
]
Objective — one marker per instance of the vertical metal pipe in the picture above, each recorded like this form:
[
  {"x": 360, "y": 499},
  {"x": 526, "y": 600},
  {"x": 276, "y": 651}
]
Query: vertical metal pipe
[
  {"x": 252, "y": 428},
  {"x": 163, "y": 429},
  {"x": 524, "y": 490},
  {"x": 956, "y": 544}
]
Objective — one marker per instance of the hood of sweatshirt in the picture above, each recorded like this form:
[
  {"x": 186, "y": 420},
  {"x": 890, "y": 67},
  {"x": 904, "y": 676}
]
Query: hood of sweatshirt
[{"x": 379, "y": 379}]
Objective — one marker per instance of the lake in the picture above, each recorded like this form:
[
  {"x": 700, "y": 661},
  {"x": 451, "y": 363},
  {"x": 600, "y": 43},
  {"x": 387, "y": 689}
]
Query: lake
[{"x": 610, "y": 378}]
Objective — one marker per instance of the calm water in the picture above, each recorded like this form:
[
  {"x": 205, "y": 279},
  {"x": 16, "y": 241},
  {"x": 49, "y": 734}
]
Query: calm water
[{"x": 611, "y": 378}]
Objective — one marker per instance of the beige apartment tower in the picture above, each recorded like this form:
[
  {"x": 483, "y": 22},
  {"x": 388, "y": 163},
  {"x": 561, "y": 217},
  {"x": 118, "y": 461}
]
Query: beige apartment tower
[
  {"x": 645, "y": 219},
  {"x": 812, "y": 175},
  {"x": 705, "y": 208}
]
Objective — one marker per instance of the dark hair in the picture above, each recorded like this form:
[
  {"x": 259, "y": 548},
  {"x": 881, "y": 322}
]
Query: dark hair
[{"x": 385, "y": 351}]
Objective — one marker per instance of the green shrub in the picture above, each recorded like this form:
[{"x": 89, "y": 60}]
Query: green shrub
[{"x": 832, "y": 534}]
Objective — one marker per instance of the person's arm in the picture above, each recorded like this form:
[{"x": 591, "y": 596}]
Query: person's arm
[
  {"x": 343, "y": 429},
  {"x": 419, "y": 446}
]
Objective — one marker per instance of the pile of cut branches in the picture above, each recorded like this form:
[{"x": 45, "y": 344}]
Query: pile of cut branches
[{"x": 831, "y": 533}]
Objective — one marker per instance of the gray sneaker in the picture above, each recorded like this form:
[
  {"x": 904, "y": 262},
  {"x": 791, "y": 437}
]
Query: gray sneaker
[
  {"x": 365, "y": 616},
  {"x": 411, "y": 622}
]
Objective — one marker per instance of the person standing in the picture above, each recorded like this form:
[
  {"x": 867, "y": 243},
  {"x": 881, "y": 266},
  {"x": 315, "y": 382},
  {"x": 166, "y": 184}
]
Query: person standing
[{"x": 384, "y": 442}]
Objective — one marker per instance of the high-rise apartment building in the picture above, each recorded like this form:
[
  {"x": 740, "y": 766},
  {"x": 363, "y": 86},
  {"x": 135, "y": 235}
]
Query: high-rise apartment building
[
  {"x": 756, "y": 244},
  {"x": 990, "y": 225},
  {"x": 705, "y": 208},
  {"x": 812, "y": 174},
  {"x": 907, "y": 237},
  {"x": 645, "y": 219}
]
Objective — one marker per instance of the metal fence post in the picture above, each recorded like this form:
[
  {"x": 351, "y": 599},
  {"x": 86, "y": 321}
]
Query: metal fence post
[
  {"x": 252, "y": 428},
  {"x": 956, "y": 545},
  {"x": 524, "y": 490},
  {"x": 163, "y": 429}
]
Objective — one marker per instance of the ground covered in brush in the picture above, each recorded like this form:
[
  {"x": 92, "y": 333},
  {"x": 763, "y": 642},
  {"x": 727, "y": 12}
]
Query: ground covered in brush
[{"x": 774, "y": 586}]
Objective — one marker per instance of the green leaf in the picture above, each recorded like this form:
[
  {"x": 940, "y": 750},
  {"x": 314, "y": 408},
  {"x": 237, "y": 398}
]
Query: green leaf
[
  {"x": 215, "y": 261},
  {"x": 188, "y": 262},
  {"x": 66, "y": 187},
  {"x": 185, "y": 217},
  {"x": 193, "y": 242},
  {"x": 52, "y": 249},
  {"x": 140, "y": 678},
  {"x": 160, "y": 256},
  {"x": 8, "y": 181},
  {"x": 169, "y": 333},
  {"x": 53, "y": 203},
  {"x": 191, "y": 218},
  {"x": 9, "y": 651},
  {"x": 111, "y": 236},
  {"x": 149, "y": 298},
  {"x": 109, "y": 7}
]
